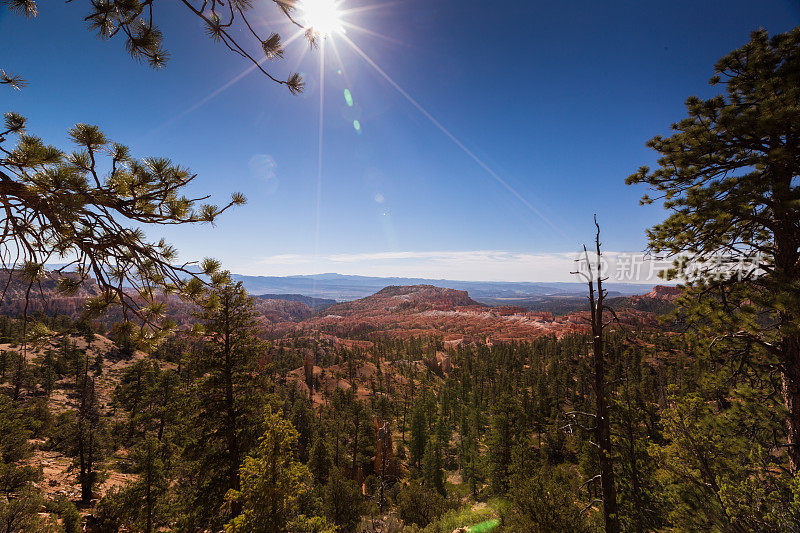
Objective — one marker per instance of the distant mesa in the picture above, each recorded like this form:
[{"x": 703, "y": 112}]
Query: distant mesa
[
  {"x": 317, "y": 304},
  {"x": 275, "y": 310},
  {"x": 661, "y": 300},
  {"x": 429, "y": 294},
  {"x": 406, "y": 298},
  {"x": 664, "y": 292},
  {"x": 342, "y": 287}
]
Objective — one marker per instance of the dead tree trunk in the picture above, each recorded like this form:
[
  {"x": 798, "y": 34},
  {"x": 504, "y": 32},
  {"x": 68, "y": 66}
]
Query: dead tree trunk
[{"x": 602, "y": 426}]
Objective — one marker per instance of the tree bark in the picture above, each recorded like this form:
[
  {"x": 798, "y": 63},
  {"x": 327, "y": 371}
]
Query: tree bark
[
  {"x": 602, "y": 427},
  {"x": 603, "y": 436},
  {"x": 786, "y": 241},
  {"x": 790, "y": 349}
]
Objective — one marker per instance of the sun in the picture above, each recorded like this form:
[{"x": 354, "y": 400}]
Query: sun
[{"x": 322, "y": 16}]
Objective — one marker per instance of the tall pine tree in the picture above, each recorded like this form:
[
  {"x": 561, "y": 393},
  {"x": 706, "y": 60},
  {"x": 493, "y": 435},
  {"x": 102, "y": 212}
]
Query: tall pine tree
[{"x": 729, "y": 176}]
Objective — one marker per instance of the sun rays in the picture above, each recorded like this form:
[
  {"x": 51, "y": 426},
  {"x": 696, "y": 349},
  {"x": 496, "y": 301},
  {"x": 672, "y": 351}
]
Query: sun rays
[
  {"x": 449, "y": 134},
  {"x": 322, "y": 17},
  {"x": 327, "y": 21}
]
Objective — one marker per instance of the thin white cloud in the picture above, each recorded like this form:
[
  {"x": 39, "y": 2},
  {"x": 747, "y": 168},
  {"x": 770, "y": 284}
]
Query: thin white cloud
[
  {"x": 439, "y": 256},
  {"x": 286, "y": 259},
  {"x": 476, "y": 265}
]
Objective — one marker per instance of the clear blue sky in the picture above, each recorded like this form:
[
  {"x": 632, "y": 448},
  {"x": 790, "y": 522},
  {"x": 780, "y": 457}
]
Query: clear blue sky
[{"x": 556, "y": 98}]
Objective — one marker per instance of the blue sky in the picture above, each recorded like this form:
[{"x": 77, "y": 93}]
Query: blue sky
[{"x": 554, "y": 99}]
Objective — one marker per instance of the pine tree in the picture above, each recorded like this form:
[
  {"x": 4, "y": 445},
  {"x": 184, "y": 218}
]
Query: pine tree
[
  {"x": 147, "y": 497},
  {"x": 272, "y": 483},
  {"x": 47, "y": 372},
  {"x": 728, "y": 174},
  {"x": 419, "y": 435},
  {"x": 468, "y": 455},
  {"x": 81, "y": 434},
  {"x": 432, "y": 471},
  {"x": 500, "y": 442},
  {"x": 134, "y": 392},
  {"x": 362, "y": 449},
  {"x": 228, "y": 396},
  {"x": 640, "y": 498},
  {"x": 15, "y": 449},
  {"x": 320, "y": 463},
  {"x": 344, "y": 502},
  {"x": 301, "y": 420}
]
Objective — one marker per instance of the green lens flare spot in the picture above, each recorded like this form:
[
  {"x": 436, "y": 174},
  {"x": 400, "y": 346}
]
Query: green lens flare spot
[
  {"x": 357, "y": 125},
  {"x": 485, "y": 527},
  {"x": 348, "y": 97}
]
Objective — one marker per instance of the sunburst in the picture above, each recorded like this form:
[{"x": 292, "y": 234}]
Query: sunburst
[{"x": 322, "y": 17}]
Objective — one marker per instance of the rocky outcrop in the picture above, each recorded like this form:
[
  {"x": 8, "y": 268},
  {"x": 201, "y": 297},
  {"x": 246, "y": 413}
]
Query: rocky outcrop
[
  {"x": 405, "y": 299},
  {"x": 669, "y": 293}
]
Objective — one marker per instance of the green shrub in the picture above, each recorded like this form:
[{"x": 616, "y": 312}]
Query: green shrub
[{"x": 420, "y": 505}]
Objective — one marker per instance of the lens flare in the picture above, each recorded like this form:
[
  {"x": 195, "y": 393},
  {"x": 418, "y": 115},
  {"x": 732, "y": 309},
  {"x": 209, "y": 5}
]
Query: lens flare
[{"x": 322, "y": 16}]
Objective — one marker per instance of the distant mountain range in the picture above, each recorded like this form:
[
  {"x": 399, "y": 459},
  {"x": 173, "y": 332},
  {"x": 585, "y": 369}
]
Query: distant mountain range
[
  {"x": 341, "y": 287},
  {"x": 344, "y": 288}
]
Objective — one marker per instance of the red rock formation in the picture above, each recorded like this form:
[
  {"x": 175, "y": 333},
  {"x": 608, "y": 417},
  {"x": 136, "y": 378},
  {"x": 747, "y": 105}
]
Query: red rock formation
[
  {"x": 424, "y": 310},
  {"x": 669, "y": 293}
]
